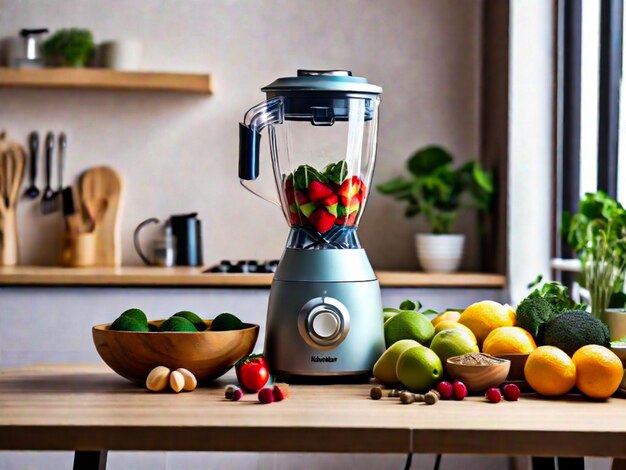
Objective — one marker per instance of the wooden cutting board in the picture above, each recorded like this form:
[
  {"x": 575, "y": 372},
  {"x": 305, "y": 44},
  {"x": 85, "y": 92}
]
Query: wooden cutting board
[
  {"x": 101, "y": 193},
  {"x": 12, "y": 163}
]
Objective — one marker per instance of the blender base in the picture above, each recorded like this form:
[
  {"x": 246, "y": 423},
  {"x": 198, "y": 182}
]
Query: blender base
[
  {"x": 325, "y": 319},
  {"x": 348, "y": 378}
]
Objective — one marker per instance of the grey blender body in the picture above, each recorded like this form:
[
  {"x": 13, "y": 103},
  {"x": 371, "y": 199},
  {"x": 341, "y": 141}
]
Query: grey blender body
[{"x": 324, "y": 314}]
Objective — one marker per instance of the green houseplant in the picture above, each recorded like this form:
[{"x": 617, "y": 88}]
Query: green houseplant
[
  {"x": 440, "y": 193},
  {"x": 71, "y": 47},
  {"x": 597, "y": 233}
]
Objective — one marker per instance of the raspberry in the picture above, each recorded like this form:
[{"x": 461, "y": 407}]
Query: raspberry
[
  {"x": 493, "y": 395},
  {"x": 232, "y": 392},
  {"x": 511, "y": 392},
  {"x": 266, "y": 396},
  {"x": 459, "y": 389},
  {"x": 445, "y": 390},
  {"x": 278, "y": 394}
]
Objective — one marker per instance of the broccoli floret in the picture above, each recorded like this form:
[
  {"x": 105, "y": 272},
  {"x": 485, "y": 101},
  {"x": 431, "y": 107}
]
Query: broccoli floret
[
  {"x": 574, "y": 329},
  {"x": 532, "y": 313}
]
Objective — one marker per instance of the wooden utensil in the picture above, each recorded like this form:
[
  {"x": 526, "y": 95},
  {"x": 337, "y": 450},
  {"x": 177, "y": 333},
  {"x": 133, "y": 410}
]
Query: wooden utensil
[
  {"x": 206, "y": 354},
  {"x": 12, "y": 163},
  {"x": 101, "y": 194}
]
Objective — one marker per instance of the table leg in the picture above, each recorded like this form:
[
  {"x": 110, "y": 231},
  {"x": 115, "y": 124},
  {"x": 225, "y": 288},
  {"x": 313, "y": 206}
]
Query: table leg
[
  {"x": 619, "y": 464},
  {"x": 90, "y": 460}
]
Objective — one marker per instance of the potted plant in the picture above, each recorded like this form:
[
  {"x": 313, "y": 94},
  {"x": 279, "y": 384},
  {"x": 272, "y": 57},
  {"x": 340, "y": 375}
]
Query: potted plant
[
  {"x": 597, "y": 233},
  {"x": 440, "y": 193},
  {"x": 71, "y": 47}
]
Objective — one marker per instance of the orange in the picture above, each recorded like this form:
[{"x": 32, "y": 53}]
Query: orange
[
  {"x": 549, "y": 371},
  {"x": 449, "y": 315},
  {"x": 484, "y": 317},
  {"x": 452, "y": 325},
  {"x": 598, "y": 371},
  {"x": 509, "y": 340}
]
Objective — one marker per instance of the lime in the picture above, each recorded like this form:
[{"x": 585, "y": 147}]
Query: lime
[
  {"x": 453, "y": 342},
  {"x": 409, "y": 324},
  {"x": 419, "y": 369},
  {"x": 385, "y": 367}
]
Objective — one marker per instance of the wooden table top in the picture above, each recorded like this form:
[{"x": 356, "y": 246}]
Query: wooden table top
[
  {"x": 90, "y": 408},
  {"x": 194, "y": 277}
]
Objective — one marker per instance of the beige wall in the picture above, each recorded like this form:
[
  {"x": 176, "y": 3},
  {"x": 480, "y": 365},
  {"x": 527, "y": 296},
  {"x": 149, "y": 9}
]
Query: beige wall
[{"x": 178, "y": 153}]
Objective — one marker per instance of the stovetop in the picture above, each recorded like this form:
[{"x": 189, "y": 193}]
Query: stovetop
[{"x": 244, "y": 266}]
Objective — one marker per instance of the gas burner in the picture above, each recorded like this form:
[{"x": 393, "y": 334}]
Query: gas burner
[{"x": 244, "y": 266}]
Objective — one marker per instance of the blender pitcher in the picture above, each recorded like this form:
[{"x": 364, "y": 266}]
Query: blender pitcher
[{"x": 324, "y": 315}]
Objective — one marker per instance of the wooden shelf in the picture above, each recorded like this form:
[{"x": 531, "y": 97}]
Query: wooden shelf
[
  {"x": 186, "y": 277},
  {"x": 105, "y": 79}
]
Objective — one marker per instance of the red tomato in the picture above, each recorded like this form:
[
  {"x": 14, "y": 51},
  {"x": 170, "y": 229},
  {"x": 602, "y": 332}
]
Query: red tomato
[{"x": 252, "y": 372}]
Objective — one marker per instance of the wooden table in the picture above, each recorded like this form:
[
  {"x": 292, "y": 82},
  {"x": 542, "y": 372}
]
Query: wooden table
[{"x": 89, "y": 409}]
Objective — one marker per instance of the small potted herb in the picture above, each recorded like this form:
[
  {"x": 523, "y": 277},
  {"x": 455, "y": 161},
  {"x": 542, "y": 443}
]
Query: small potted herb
[
  {"x": 598, "y": 235},
  {"x": 440, "y": 193},
  {"x": 71, "y": 47}
]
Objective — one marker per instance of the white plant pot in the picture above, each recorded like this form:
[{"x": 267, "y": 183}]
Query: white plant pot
[
  {"x": 615, "y": 319},
  {"x": 439, "y": 253}
]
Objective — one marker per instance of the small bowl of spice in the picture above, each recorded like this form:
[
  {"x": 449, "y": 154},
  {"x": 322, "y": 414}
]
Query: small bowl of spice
[{"x": 478, "y": 371}]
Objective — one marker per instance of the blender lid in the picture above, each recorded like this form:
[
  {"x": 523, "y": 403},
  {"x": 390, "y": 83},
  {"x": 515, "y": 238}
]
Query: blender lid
[{"x": 325, "y": 81}]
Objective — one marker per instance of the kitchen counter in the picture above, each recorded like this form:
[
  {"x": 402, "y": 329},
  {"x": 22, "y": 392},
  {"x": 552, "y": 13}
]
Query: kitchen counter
[
  {"x": 137, "y": 276},
  {"x": 87, "y": 408}
]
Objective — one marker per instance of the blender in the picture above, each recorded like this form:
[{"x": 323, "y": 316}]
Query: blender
[{"x": 324, "y": 316}]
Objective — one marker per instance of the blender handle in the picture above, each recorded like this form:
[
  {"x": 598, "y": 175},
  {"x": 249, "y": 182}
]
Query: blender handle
[
  {"x": 249, "y": 143},
  {"x": 256, "y": 119}
]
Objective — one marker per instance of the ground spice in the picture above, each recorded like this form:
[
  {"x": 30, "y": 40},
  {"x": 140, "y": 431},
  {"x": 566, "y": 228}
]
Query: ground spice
[{"x": 477, "y": 359}]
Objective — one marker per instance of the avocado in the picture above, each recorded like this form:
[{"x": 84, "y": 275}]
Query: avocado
[
  {"x": 574, "y": 329},
  {"x": 126, "y": 323},
  {"x": 226, "y": 322},
  {"x": 136, "y": 314},
  {"x": 177, "y": 324},
  {"x": 193, "y": 318}
]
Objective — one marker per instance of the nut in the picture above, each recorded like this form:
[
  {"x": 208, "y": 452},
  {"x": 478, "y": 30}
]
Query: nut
[
  {"x": 177, "y": 381},
  {"x": 190, "y": 380},
  {"x": 376, "y": 393},
  {"x": 430, "y": 398},
  {"x": 419, "y": 398},
  {"x": 158, "y": 379},
  {"x": 393, "y": 393},
  {"x": 407, "y": 398}
]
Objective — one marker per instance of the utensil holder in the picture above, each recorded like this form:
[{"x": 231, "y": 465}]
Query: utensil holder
[
  {"x": 9, "y": 254},
  {"x": 78, "y": 251}
]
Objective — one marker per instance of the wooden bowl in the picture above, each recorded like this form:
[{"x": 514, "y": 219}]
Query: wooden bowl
[
  {"x": 518, "y": 362},
  {"x": 478, "y": 378},
  {"x": 207, "y": 354}
]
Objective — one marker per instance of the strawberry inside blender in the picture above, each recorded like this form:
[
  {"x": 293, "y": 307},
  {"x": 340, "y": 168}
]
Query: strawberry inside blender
[{"x": 324, "y": 199}]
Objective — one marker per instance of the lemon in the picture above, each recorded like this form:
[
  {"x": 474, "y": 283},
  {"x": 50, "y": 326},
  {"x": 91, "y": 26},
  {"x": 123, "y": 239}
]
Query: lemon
[
  {"x": 449, "y": 315},
  {"x": 509, "y": 340},
  {"x": 450, "y": 343},
  {"x": 452, "y": 325},
  {"x": 484, "y": 317},
  {"x": 419, "y": 369}
]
